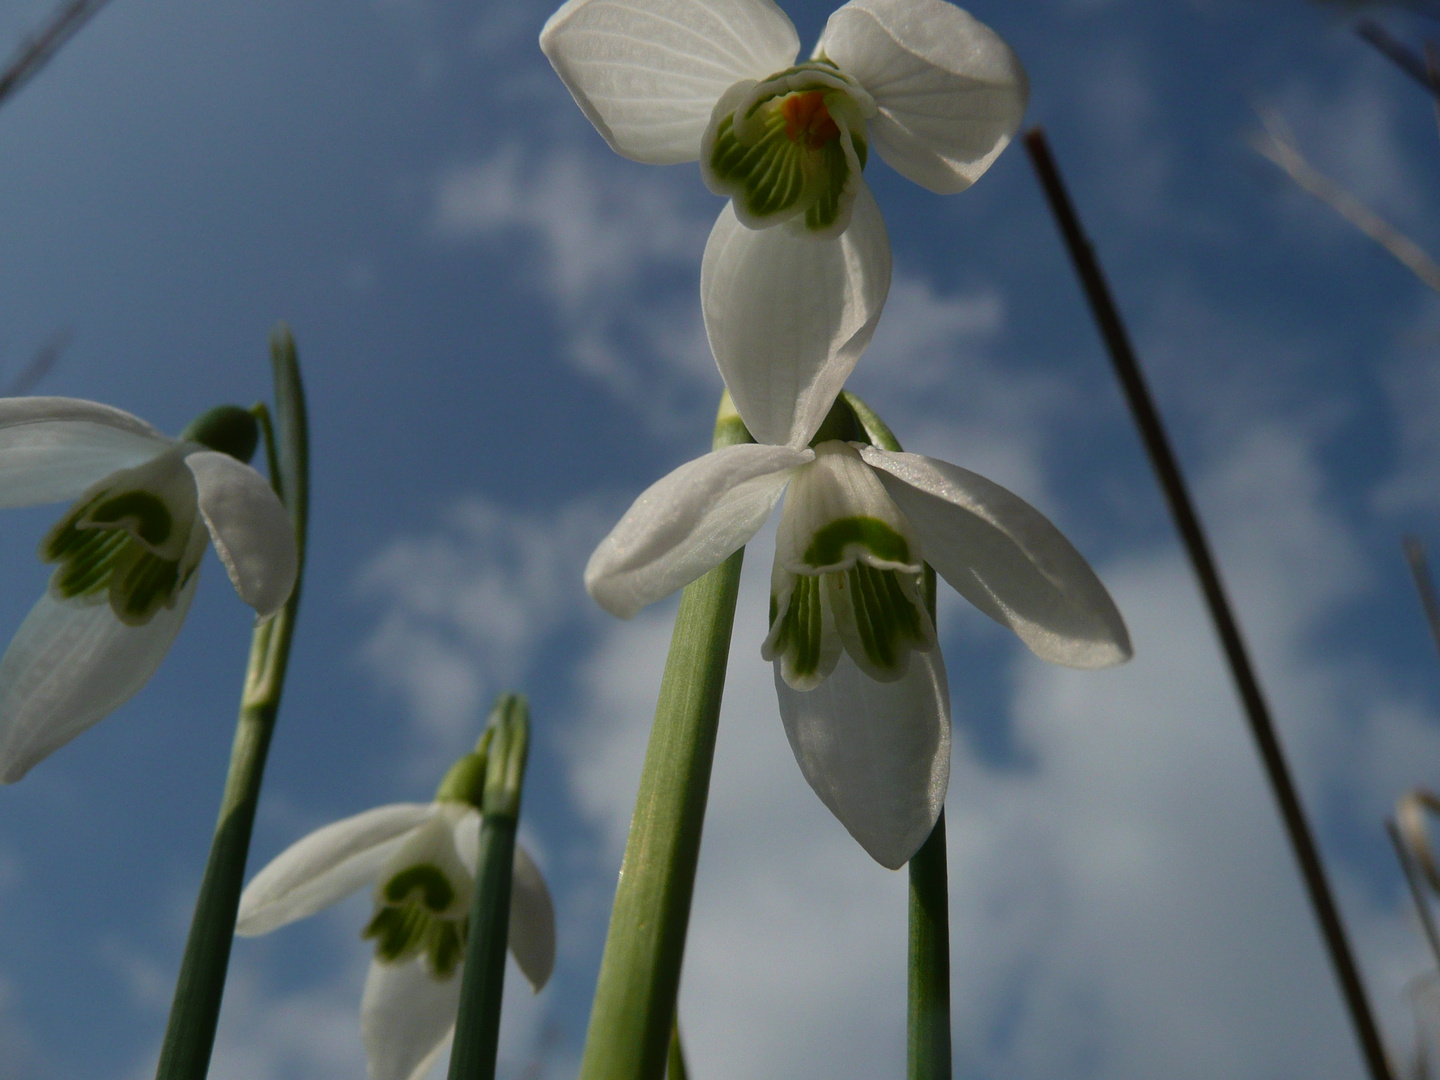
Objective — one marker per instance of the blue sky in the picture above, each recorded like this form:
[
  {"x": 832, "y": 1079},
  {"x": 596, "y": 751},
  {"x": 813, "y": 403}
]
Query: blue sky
[{"x": 500, "y": 328}]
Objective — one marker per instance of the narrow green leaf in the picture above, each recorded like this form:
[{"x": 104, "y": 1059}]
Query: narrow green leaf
[{"x": 634, "y": 1006}]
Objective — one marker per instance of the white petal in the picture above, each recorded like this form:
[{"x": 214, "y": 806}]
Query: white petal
[
  {"x": 52, "y": 449},
  {"x": 406, "y": 1014},
  {"x": 68, "y": 667},
  {"x": 877, "y": 754},
  {"x": 326, "y": 866},
  {"x": 532, "y": 921},
  {"x": 950, "y": 92},
  {"x": 251, "y": 530},
  {"x": 647, "y": 73},
  {"x": 788, "y": 316},
  {"x": 1005, "y": 557},
  {"x": 688, "y": 522}
]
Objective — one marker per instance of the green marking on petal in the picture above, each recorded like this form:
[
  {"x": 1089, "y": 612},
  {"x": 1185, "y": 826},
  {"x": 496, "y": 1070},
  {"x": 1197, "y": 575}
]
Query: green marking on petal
[
  {"x": 887, "y": 620},
  {"x": 800, "y": 634},
  {"x": 830, "y": 544},
  {"x": 430, "y": 882},
  {"x": 142, "y": 513},
  {"x": 108, "y": 543},
  {"x": 407, "y": 925}
]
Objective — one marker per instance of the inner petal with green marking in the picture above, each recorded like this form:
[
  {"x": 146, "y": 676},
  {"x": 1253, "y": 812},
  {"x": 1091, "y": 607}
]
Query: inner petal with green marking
[
  {"x": 848, "y": 575},
  {"x": 417, "y": 917},
  {"x": 422, "y": 896},
  {"x": 790, "y": 148},
  {"x": 134, "y": 539}
]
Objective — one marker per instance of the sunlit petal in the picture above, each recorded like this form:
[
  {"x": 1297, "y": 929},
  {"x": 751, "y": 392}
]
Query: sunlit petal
[
  {"x": 1007, "y": 559},
  {"x": 688, "y": 522},
  {"x": 251, "y": 530},
  {"x": 647, "y": 73},
  {"x": 326, "y": 866},
  {"x": 950, "y": 92},
  {"x": 877, "y": 754},
  {"x": 52, "y": 448},
  {"x": 788, "y": 316},
  {"x": 69, "y": 666},
  {"x": 405, "y": 1016}
]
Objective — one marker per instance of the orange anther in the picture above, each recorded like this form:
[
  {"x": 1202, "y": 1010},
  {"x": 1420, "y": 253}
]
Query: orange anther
[{"x": 807, "y": 117}]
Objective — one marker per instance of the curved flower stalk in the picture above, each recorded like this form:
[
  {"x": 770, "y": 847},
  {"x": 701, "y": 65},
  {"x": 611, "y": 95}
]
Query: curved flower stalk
[
  {"x": 421, "y": 859},
  {"x": 861, "y": 683},
  {"x": 126, "y": 555},
  {"x": 937, "y": 93}
]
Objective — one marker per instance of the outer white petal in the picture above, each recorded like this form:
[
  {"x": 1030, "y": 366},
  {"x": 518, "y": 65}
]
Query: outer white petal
[
  {"x": 1005, "y": 557},
  {"x": 251, "y": 530},
  {"x": 326, "y": 866},
  {"x": 406, "y": 1014},
  {"x": 877, "y": 754},
  {"x": 788, "y": 316},
  {"x": 68, "y": 667},
  {"x": 52, "y": 448},
  {"x": 647, "y": 73},
  {"x": 950, "y": 92},
  {"x": 688, "y": 522},
  {"x": 532, "y": 921}
]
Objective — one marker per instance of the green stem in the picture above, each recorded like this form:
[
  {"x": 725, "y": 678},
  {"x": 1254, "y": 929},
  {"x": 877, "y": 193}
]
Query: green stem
[
  {"x": 190, "y": 1033},
  {"x": 928, "y": 1021},
  {"x": 477, "y": 1027},
  {"x": 634, "y": 1007}
]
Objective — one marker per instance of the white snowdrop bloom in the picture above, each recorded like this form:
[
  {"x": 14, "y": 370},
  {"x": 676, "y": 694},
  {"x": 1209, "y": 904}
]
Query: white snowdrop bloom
[
  {"x": 420, "y": 859},
  {"x": 861, "y": 684},
  {"x": 126, "y": 555},
  {"x": 937, "y": 93}
]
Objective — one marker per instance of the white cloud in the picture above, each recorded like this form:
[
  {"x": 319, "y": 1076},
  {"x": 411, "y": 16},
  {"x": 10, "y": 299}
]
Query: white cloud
[
  {"x": 464, "y": 609},
  {"x": 617, "y": 251}
]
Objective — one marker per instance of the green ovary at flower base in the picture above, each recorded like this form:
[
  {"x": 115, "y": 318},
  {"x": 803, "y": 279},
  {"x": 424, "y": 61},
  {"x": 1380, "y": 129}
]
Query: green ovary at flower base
[
  {"x": 421, "y": 858},
  {"x": 126, "y": 554}
]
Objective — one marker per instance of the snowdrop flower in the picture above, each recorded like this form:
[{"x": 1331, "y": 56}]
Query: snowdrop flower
[
  {"x": 937, "y": 93},
  {"x": 126, "y": 555},
  {"x": 421, "y": 859},
  {"x": 861, "y": 683}
]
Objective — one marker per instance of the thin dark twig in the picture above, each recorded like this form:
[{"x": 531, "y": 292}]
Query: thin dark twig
[
  {"x": 35, "y": 51},
  {"x": 1417, "y": 892},
  {"x": 1397, "y": 53},
  {"x": 1157, "y": 444},
  {"x": 40, "y": 364},
  {"x": 1424, "y": 584}
]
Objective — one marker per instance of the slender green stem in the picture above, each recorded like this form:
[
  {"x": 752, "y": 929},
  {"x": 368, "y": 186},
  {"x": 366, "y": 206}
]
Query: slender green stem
[
  {"x": 1247, "y": 683},
  {"x": 928, "y": 1023},
  {"x": 190, "y": 1033},
  {"x": 928, "y": 1020},
  {"x": 676, "y": 1069},
  {"x": 477, "y": 1027},
  {"x": 634, "y": 1005}
]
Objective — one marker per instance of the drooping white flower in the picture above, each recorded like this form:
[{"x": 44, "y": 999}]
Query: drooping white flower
[
  {"x": 861, "y": 683},
  {"x": 420, "y": 858},
  {"x": 937, "y": 93},
  {"x": 127, "y": 552}
]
